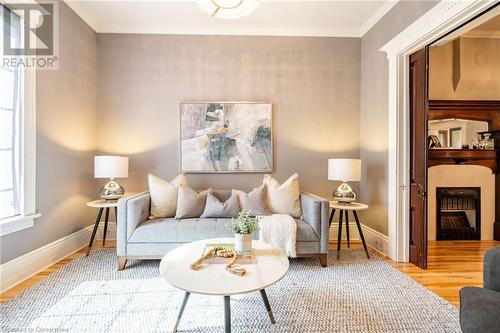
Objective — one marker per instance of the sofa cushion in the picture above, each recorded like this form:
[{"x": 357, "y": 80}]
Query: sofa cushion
[
  {"x": 283, "y": 198},
  {"x": 253, "y": 201},
  {"x": 190, "y": 203},
  {"x": 171, "y": 230},
  {"x": 215, "y": 208},
  {"x": 164, "y": 195}
]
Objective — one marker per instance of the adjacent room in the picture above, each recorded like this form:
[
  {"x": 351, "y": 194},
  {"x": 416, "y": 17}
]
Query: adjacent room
[{"x": 250, "y": 166}]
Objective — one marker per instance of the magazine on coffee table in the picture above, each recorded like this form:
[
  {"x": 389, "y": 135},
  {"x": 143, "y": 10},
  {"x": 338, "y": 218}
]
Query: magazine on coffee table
[{"x": 243, "y": 260}]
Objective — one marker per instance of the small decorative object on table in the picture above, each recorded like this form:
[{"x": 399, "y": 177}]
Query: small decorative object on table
[{"x": 243, "y": 227}]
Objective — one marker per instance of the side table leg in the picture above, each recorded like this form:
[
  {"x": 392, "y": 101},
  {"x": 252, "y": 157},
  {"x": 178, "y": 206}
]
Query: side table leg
[
  {"x": 361, "y": 233},
  {"x": 181, "y": 311},
  {"x": 227, "y": 314},
  {"x": 106, "y": 220},
  {"x": 332, "y": 214},
  {"x": 339, "y": 238},
  {"x": 268, "y": 306},
  {"x": 98, "y": 219},
  {"x": 347, "y": 228}
]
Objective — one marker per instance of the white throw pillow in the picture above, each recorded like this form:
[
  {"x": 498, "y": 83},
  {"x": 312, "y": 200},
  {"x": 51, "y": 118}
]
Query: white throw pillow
[
  {"x": 164, "y": 195},
  {"x": 284, "y": 198}
]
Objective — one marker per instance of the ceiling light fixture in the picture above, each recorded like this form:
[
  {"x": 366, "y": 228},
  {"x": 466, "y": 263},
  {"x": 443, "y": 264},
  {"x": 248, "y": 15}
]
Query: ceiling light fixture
[{"x": 228, "y": 9}]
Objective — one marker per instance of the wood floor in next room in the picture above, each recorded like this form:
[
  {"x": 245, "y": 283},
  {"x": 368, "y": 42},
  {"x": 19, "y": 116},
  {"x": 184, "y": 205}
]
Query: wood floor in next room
[{"x": 451, "y": 266}]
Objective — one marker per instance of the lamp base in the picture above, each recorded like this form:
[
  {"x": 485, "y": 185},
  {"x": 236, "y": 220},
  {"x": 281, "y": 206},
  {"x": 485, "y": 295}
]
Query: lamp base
[
  {"x": 344, "y": 194},
  {"x": 111, "y": 191}
]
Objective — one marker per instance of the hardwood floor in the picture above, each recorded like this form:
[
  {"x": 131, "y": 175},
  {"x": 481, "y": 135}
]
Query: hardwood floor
[{"x": 451, "y": 266}]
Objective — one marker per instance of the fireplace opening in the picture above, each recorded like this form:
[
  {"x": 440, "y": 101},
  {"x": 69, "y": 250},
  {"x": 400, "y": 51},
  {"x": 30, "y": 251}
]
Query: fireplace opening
[{"x": 458, "y": 213}]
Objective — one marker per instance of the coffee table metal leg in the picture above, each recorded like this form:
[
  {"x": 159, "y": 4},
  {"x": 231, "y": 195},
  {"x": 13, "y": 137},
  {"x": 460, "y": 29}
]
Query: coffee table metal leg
[
  {"x": 339, "y": 238},
  {"x": 227, "y": 314},
  {"x": 268, "y": 306},
  {"x": 361, "y": 234},
  {"x": 181, "y": 311}
]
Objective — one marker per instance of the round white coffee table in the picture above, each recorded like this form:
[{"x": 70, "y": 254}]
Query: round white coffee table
[{"x": 213, "y": 279}]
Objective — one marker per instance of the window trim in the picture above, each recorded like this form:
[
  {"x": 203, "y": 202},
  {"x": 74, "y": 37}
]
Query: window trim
[{"x": 27, "y": 186}]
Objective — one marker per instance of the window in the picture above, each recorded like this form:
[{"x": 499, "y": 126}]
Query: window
[
  {"x": 17, "y": 136},
  {"x": 10, "y": 110}
]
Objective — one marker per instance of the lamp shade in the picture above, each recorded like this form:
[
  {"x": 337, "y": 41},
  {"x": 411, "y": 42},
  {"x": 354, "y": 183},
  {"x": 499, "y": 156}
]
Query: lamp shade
[
  {"x": 110, "y": 167},
  {"x": 344, "y": 169}
]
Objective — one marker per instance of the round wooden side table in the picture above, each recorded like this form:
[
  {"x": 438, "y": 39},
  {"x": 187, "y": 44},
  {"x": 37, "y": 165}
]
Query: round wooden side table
[
  {"x": 101, "y": 204},
  {"x": 344, "y": 210}
]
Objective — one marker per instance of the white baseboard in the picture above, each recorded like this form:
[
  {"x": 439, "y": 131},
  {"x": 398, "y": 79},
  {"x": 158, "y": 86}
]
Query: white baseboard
[
  {"x": 22, "y": 268},
  {"x": 373, "y": 238}
]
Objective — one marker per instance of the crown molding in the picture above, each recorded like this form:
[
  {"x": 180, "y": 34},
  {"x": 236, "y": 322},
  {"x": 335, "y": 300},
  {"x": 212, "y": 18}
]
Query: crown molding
[
  {"x": 224, "y": 31},
  {"x": 386, "y": 7}
]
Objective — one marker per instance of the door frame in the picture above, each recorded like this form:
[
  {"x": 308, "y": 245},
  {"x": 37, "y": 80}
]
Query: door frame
[{"x": 438, "y": 21}]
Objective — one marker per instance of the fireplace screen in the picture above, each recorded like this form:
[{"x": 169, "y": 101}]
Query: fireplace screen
[{"x": 458, "y": 213}]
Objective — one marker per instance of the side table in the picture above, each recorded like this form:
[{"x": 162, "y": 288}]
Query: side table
[
  {"x": 344, "y": 209},
  {"x": 101, "y": 204}
]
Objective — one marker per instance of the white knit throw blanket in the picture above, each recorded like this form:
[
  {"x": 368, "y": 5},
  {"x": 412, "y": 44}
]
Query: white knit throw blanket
[{"x": 279, "y": 230}]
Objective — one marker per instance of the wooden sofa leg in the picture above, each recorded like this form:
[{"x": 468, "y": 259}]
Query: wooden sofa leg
[
  {"x": 122, "y": 261},
  {"x": 323, "y": 259}
]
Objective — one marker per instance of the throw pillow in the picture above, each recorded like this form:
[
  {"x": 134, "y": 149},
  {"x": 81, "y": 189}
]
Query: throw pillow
[
  {"x": 284, "y": 198},
  {"x": 215, "y": 208},
  {"x": 164, "y": 195},
  {"x": 190, "y": 203},
  {"x": 254, "y": 201}
]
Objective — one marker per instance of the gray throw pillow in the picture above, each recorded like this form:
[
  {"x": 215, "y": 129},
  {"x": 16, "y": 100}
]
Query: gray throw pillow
[
  {"x": 254, "y": 201},
  {"x": 190, "y": 203},
  {"x": 215, "y": 208}
]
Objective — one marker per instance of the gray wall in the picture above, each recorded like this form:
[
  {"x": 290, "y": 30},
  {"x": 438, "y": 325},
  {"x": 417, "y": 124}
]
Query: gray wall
[
  {"x": 374, "y": 108},
  {"x": 314, "y": 84},
  {"x": 66, "y": 128}
]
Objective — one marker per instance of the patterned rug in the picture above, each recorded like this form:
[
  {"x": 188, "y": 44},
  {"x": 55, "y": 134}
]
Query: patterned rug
[{"x": 353, "y": 294}]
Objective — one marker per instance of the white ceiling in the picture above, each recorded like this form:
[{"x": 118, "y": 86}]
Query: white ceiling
[{"x": 349, "y": 18}]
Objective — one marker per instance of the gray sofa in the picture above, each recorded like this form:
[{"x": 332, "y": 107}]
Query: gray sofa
[
  {"x": 480, "y": 307},
  {"x": 141, "y": 238}
]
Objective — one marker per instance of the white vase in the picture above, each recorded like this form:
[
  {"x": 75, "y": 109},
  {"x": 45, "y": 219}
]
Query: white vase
[{"x": 243, "y": 244}]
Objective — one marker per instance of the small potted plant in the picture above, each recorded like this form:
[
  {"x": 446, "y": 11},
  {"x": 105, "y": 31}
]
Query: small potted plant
[{"x": 243, "y": 227}]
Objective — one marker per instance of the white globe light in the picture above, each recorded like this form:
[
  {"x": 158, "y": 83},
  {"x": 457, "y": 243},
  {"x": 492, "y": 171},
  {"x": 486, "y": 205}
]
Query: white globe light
[{"x": 228, "y": 9}]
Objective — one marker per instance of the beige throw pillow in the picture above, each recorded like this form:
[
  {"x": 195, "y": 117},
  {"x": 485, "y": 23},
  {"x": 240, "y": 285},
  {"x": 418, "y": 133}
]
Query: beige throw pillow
[
  {"x": 164, "y": 195},
  {"x": 216, "y": 209},
  {"x": 254, "y": 201},
  {"x": 190, "y": 203},
  {"x": 284, "y": 198}
]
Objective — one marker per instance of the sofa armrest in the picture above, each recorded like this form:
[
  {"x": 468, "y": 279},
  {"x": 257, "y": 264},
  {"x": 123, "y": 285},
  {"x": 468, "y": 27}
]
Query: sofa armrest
[
  {"x": 132, "y": 211},
  {"x": 315, "y": 213},
  {"x": 479, "y": 310},
  {"x": 491, "y": 268}
]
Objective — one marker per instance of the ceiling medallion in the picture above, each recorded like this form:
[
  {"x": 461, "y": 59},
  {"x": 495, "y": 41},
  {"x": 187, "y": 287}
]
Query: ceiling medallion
[{"x": 228, "y": 9}]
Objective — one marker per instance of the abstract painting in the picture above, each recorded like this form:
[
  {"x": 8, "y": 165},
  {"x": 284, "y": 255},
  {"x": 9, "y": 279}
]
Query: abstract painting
[{"x": 226, "y": 137}]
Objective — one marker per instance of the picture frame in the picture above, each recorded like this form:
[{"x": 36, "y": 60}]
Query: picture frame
[{"x": 226, "y": 137}]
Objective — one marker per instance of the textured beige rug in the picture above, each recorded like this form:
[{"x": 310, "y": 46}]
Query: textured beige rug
[{"x": 353, "y": 294}]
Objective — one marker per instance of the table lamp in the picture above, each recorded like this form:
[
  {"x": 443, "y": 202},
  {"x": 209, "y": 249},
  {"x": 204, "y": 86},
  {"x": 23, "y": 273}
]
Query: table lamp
[
  {"x": 111, "y": 167},
  {"x": 345, "y": 170}
]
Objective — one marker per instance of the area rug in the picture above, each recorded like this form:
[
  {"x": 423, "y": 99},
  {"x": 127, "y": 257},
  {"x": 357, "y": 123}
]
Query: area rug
[{"x": 353, "y": 294}]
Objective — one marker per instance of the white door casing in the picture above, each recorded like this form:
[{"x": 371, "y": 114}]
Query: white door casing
[{"x": 441, "y": 19}]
